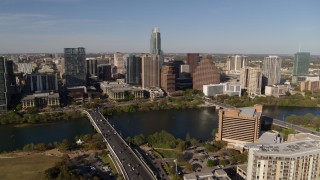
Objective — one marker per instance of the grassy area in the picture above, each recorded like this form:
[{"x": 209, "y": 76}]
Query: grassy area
[
  {"x": 106, "y": 159},
  {"x": 173, "y": 154},
  {"x": 28, "y": 167}
]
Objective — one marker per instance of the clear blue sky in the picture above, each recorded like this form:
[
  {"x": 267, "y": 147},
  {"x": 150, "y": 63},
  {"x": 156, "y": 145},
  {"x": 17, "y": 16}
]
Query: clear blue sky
[{"x": 205, "y": 26}]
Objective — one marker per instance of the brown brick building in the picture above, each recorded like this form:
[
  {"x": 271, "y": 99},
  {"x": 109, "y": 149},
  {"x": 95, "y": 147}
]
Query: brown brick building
[
  {"x": 239, "y": 125},
  {"x": 192, "y": 60},
  {"x": 205, "y": 73},
  {"x": 168, "y": 78}
]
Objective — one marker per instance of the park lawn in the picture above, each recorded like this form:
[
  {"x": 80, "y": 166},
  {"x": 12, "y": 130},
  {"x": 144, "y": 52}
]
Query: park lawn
[{"x": 27, "y": 167}]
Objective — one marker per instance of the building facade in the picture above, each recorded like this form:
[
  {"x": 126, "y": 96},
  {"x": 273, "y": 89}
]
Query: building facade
[
  {"x": 251, "y": 80},
  {"x": 104, "y": 72},
  {"x": 133, "y": 70},
  {"x": 231, "y": 89},
  {"x": 26, "y": 68},
  {"x": 205, "y": 73},
  {"x": 271, "y": 70},
  {"x": 286, "y": 161},
  {"x": 236, "y": 63},
  {"x": 277, "y": 90},
  {"x": 40, "y": 100},
  {"x": 75, "y": 67},
  {"x": 119, "y": 61},
  {"x": 92, "y": 66},
  {"x": 301, "y": 64},
  {"x": 41, "y": 82},
  {"x": 168, "y": 78},
  {"x": 155, "y": 41},
  {"x": 192, "y": 59},
  {"x": 239, "y": 125},
  {"x": 7, "y": 83},
  {"x": 313, "y": 86},
  {"x": 150, "y": 75},
  {"x": 121, "y": 91}
]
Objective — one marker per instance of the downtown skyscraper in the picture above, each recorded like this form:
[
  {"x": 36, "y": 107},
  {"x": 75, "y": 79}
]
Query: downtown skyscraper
[
  {"x": 271, "y": 70},
  {"x": 75, "y": 66},
  {"x": 301, "y": 64},
  {"x": 133, "y": 70},
  {"x": 155, "y": 41},
  {"x": 7, "y": 83}
]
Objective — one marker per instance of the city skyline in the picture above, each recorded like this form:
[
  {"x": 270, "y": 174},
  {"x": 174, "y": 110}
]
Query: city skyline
[{"x": 231, "y": 27}]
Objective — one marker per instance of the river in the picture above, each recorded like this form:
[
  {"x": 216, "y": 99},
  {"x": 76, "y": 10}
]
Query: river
[{"x": 199, "y": 123}]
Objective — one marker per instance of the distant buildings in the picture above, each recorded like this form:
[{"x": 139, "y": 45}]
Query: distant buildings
[
  {"x": 239, "y": 126},
  {"x": 7, "y": 83},
  {"x": 231, "y": 89},
  {"x": 119, "y": 61},
  {"x": 168, "y": 78},
  {"x": 301, "y": 64},
  {"x": 310, "y": 85},
  {"x": 277, "y": 90},
  {"x": 289, "y": 160},
  {"x": 271, "y": 70},
  {"x": 236, "y": 63},
  {"x": 205, "y": 73},
  {"x": 133, "y": 70},
  {"x": 40, "y": 100},
  {"x": 26, "y": 68},
  {"x": 192, "y": 60},
  {"x": 150, "y": 70},
  {"x": 75, "y": 67},
  {"x": 251, "y": 80}
]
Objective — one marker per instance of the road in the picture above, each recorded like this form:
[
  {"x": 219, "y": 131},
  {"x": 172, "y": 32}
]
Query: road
[{"x": 133, "y": 166}]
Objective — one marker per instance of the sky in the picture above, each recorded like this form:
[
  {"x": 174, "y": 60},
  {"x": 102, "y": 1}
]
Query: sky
[{"x": 204, "y": 26}]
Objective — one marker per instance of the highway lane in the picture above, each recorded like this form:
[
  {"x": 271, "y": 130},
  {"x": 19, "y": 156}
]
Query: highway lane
[{"x": 133, "y": 166}]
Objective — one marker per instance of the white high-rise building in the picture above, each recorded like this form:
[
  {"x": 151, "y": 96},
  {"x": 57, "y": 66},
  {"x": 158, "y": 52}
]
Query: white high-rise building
[
  {"x": 251, "y": 80},
  {"x": 286, "y": 161},
  {"x": 271, "y": 70},
  {"x": 119, "y": 61},
  {"x": 236, "y": 63}
]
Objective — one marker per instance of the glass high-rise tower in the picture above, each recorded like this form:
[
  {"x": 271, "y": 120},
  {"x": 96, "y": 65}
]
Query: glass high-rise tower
[
  {"x": 155, "y": 41},
  {"x": 133, "y": 69},
  {"x": 301, "y": 63},
  {"x": 75, "y": 66}
]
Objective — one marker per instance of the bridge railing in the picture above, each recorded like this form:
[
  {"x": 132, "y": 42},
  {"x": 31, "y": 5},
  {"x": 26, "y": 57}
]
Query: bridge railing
[{"x": 122, "y": 169}]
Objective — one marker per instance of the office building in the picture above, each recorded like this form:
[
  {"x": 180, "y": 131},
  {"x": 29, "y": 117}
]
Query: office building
[
  {"x": 301, "y": 64},
  {"x": 168, "y": 78},
  {"x": 133, "y": 70},
  {"x": 26, "y": 68},
  {"x": 41, "y": 83},
  {"x": 205, "y": 73},
  {"x": 155, "y": 42},
  {"x": 251, "y": 80},
  {"x": 92, "y": 66},
  {"x": 287, "y": 161},
  {"x": 7, "y": 83},
  {"x": 192, "y": 59},
  {"x": 271, "y": 70},
  {"x": 231, "y": 89},
  {"x": 75, "y": 67},
  {"x": 150, "y": 75},
  {"x": 121, "y": 91},
  {"x": 310, "y": 85},
  {"x": 277, "y": 90},
  {"x": 119, "y": 61},
  {"x": 239, "y": 125},
  {"x": 236, "y": 63},
  {"x": 104, "y": 72}
]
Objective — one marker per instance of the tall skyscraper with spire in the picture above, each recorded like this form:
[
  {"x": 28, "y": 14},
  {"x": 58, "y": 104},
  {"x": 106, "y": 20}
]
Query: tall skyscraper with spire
[{"x": 155, "y": 41}]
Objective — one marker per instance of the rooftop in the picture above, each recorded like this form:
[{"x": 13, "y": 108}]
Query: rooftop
[{"x": 287, "y": 149}]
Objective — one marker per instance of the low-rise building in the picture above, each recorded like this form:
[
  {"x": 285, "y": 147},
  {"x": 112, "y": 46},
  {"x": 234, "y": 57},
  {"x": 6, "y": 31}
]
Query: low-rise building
[
  {"x": 231, "y": 89},
  {"x": 241, "y": 172},
  {"x": 40, "y": 100},
  {"x": 277, "y": 90},
  {"x": 121, "y": 91},
  {"x": 287, "y": 161}
]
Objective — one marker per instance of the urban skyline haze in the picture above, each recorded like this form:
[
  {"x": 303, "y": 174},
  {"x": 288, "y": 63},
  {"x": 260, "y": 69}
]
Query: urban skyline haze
[{"x": 246, "y": 27}]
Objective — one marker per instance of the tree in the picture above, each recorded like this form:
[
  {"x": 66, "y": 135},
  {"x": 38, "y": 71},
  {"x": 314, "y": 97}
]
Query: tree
[
  {"x": 28, "y": 147},
  {"x": 40, "y": 147},
  {"x": 64, "y": 145},
  {"x": 182, "y": 145},
  {"x": 139, "y": 140},
  {"x": 188, "y": 167},
  {"x": 18, "y": 107},
  {"x": 188, "y": 137},
  {"x": 211, "y": 163},
  {"x": 214, "y": 132}
]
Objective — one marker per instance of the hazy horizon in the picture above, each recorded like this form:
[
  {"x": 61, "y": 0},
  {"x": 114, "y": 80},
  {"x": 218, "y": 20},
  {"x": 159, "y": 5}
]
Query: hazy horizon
[{"x": 218, "y": 27}]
